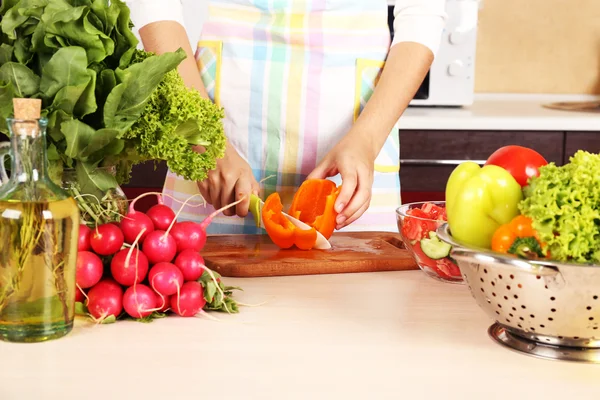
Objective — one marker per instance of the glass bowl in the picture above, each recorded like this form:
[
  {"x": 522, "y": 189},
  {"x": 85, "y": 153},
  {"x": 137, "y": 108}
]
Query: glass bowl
[{"x": 417, "y": 224}]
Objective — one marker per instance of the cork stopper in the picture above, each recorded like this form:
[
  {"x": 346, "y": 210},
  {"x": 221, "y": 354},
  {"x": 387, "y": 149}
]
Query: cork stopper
[
  {"x": 27, "y": 114},
  {"x": 27, "y": 109}
]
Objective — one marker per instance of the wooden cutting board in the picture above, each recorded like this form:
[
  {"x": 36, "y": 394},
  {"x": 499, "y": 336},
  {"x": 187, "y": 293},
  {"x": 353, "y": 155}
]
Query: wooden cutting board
[{"x": 256, "y": 255}]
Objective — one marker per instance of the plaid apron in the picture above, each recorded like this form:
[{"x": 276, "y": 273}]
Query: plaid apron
[{"x": 292, "y": 77}]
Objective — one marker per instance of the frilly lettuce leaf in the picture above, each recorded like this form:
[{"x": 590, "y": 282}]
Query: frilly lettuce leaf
[{"x": 564, "y": 204}]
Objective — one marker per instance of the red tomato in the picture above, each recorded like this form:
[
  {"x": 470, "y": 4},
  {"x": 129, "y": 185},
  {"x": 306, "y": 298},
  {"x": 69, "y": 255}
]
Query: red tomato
[
  {"x": 411, "y": 229},
  {"x": 443, "y": 215},
  {"x": 423, "y": 259},
  {"x": 521, "y": 162},
  {"x": 448, "y": 268},
  {"x": 419, "y": 227},
  {"x": 433, "y": 211}
]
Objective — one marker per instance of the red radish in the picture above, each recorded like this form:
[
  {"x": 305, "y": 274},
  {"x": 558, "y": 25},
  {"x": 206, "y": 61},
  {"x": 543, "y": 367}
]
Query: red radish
[
  {"x": 191, "y": 264},
  {"x": 190, "y": 300},
  {"x": 105, "y": 299},
  {"x": 163, "y": 303},
  {"x": 129, "y": 266},
  {"x": 189, "y": 235},
  {"x": 79, "y": 295},
  {"x": 134, "y": 223},
  {"x": 165, "y": 278},
  {"x": 89, "y": 269},
  {"x": 139, "y": 301},
  {"x": 84, "y": 238},
  {"x": 162, "y": 216},
  {"x": 159, "y": 246},
  {"x": 106, "y": 239}
]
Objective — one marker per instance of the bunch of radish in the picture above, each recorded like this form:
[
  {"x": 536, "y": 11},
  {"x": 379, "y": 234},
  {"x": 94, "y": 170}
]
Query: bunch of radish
[{"x": 147, "y": 265}]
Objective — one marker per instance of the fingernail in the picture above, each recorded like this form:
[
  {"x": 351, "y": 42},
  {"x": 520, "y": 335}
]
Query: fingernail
[
  {"x": 339, "y": 207},
  {"x": 340, "y": 219}
]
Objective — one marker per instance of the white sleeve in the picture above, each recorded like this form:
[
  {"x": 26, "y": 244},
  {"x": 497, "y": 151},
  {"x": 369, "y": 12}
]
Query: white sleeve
[
  {"x": 420, "y": 21},
  {"x": 144, "y": 12}
]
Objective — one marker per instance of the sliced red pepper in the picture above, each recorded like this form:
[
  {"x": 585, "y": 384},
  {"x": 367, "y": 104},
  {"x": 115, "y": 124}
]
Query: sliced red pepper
[
  {"x": 281, "y": 231},
  {"x": 313, "y": 204}
]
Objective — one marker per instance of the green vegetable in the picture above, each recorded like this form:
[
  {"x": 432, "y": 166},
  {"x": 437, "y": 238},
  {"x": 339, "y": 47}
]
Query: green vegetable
[
  {"x": 172, "y": 121},
  {"x": 214, "y": 300},
  {"x": 479, "y": 200},
  {"x": 564, "y": 205},
  {"x": 107, "y": 103},
  {"x": 526, "y": 247},
  {"x": 434, "y": 248}
]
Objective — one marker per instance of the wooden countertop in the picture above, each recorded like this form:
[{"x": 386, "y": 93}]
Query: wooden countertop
[{"x": 354, "y": 336}]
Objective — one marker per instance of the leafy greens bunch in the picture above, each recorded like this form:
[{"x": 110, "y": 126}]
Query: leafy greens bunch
[
  {"x": 107, "y": 102},
  {"x": 564, "y": 205}
]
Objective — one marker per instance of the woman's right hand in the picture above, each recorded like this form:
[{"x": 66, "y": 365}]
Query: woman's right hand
[{"x": 228, "y": 182}]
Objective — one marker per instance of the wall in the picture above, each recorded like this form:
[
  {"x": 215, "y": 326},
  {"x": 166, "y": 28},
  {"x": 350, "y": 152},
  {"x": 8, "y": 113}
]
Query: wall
[{"x": 539, "y": 46}]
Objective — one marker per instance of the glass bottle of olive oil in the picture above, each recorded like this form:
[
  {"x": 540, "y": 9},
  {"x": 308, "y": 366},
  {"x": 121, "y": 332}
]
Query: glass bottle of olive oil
[{"x": 39, "y": 226}]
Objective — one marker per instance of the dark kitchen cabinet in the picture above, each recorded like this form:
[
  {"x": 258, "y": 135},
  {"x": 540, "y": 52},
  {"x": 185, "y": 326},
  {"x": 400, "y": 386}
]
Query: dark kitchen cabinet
[
  {"x": 148, "y": 175},
  {"x": 427, "y": 158},
  {"x": 588, "y": 141}
]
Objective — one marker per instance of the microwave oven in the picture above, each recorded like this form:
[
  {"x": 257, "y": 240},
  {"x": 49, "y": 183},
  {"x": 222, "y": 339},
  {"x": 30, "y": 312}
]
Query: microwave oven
[{"x": 450, "y": 81}]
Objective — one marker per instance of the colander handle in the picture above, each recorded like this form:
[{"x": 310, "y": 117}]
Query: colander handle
[{"x": 460, "y": 252}]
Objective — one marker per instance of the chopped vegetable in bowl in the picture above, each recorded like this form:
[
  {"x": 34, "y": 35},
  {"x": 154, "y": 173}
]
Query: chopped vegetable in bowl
[{"x": 417, "y": 223}]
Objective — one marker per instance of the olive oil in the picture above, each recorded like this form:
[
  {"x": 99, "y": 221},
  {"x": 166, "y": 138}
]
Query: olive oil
[
  {"x": 39, "y": 229},
  {"x": 38, "y": 250}
]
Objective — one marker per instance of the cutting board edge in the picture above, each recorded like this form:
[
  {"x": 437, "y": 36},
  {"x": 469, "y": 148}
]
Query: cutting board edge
[{"x": 241, "y": 273}]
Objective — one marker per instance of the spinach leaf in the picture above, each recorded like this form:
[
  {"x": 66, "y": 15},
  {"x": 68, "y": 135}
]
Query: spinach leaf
[
  {"x": 127, "y": 100},
  {"x": 77, "y": 135},
  {"x": 24, "y": 81},
  {"x": 125, "y": 40},
  {"x": 99, "y": 141},
  {"x": 107, "y": 14},
  {"x": 7, "y": 5},
  {"x": 23, "y": 52},
  {"x": 6, "y": 53},
  {"x": 55, "y": 120},
  {"x": 67, "y": 67},
  {"x": 6, "y": 105},
  {"x": 11, "y": 21},
  {"x": 72, "y": 26},
  {"x": 93, "y": 180}
]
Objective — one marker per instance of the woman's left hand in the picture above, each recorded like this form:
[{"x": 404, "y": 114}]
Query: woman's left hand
[{"x": 354, "y": 159}]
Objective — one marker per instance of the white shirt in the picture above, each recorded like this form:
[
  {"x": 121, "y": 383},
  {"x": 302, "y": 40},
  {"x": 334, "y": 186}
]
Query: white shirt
[{"x": 420, "y": 21}]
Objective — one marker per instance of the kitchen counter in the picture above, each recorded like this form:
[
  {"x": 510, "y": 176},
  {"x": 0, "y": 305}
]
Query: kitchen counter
[
  {"x": 352, "y": 336},
  {"x": 521, "y": 112}
]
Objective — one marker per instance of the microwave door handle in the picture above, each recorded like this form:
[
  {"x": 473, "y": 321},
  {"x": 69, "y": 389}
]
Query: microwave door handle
[{"x": 426, "y": 162}]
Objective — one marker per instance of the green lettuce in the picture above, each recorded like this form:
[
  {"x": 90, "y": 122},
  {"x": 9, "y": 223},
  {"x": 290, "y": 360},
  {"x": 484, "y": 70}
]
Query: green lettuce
[{"x": 564, "y": 204}]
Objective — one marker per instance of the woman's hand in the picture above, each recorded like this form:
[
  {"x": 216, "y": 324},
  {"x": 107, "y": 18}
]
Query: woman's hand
[
  {"x": 354, "y": 159},
  {"x": 354, "y": 156},
  {"x": 228, "y": 182}
]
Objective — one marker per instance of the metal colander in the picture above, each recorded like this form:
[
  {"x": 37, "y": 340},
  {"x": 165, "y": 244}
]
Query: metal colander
[{"x": 543, "y": 308}]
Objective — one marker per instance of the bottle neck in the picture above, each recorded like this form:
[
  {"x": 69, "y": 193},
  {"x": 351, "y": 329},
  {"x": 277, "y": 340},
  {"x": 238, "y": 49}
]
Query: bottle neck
[{"x": 29, "y": 162}]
